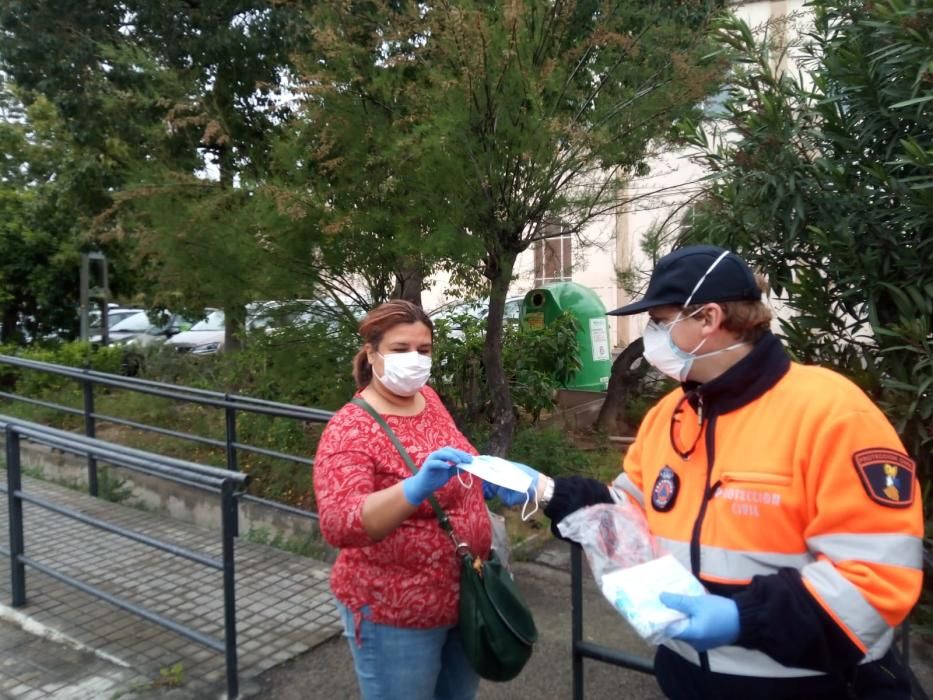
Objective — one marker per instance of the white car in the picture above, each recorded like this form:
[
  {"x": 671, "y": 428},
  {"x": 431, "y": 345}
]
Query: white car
[
  {"x": 477, "y": 308},
  {"x": 124, "y": 330},
  {"x": 207, "y": 336},
  {"x": 203, "y": 338},
  {"x": 139, "y": 329},
  {"x": 114, "y": 317}
]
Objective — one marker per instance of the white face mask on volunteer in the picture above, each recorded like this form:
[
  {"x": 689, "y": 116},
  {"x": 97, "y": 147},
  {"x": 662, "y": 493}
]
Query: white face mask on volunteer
[
  {"x": 662, "y": 352},
  {"x": 404, "y": 373}
]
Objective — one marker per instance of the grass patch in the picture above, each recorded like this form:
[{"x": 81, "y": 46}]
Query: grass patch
[{"x": 310, "y": 545}]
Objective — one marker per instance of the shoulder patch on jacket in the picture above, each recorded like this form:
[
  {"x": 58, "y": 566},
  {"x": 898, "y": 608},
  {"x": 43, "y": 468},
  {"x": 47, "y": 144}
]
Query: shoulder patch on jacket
[{"x": 887, "y": 475}]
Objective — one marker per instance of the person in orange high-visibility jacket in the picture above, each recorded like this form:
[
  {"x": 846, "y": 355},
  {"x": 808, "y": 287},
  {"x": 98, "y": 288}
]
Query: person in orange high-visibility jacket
[{"x": 781, "y": 486}]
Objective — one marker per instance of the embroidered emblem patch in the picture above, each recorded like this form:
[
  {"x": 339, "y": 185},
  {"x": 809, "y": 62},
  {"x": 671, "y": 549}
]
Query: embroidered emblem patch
[
  {"x": 887, "y": 475},
  {"x": 665, "y": 490}
]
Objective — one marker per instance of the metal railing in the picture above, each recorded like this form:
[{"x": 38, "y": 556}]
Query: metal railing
[
  {"x": 232, "y": 405},
  {"x": 582, "y": 649},
  {"x": 226, "y": 483}
]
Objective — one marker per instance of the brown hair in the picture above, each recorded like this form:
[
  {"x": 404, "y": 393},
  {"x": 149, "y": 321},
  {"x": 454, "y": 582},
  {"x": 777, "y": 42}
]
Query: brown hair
[
  {"x": 748, "y": 320},
  {"x": 375, "y": 325}
]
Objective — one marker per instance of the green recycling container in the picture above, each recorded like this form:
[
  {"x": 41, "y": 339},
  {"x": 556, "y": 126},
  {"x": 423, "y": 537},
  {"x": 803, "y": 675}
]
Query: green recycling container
[{"x": 544, "y": 305}]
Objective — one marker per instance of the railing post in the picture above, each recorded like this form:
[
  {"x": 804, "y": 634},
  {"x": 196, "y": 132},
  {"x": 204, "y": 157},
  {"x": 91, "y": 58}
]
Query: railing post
[
  {"x": 576, "y": 617},
  {"x": 14, "y": 483},
  {"x": 89, "y": 430},
  {"x": 230, "y": 419},
  {"x": 230, "y": 415},
  {"x": 228, "y": 508}
]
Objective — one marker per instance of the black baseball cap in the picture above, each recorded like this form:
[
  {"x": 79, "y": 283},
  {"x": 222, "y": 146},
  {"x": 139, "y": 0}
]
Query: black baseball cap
[{"x": 676, "y": 276}]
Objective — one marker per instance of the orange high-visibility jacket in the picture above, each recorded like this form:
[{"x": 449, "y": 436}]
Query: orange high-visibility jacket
[{"x": 794, "y": 497}]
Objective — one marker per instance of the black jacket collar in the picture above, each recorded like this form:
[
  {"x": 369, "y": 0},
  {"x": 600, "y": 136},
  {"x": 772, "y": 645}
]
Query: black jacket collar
[{"x": 745, "y": 381}]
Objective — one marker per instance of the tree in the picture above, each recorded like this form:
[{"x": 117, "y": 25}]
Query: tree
[
  {"x": 825, "y": 181},
  {"x": 358, "y": 145},
  {"x": 517, "y": 116},
  {"x": 184, "y": 98},
  {"x": 48, "y": 185}
]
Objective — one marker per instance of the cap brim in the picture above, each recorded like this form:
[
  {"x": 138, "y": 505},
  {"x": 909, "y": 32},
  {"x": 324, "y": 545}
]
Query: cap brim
[{"x": 636, "y": 307}]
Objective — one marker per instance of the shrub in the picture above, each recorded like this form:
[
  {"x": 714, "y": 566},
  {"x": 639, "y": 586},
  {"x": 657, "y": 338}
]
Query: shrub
[
  {"x": 556, "y": 452},
  {"x": 73, "y": 354},
  {"x": 537, "y": 363}
]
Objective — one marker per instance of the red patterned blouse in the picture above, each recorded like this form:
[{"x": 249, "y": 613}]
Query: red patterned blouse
[{"x": 411, "y": 578}]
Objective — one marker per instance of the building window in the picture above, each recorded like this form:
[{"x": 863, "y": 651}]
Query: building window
[{"x": 553, "y": 256}]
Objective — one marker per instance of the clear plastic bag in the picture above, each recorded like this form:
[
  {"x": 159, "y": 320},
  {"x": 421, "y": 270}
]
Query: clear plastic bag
[
  {"x": 500, "y": 539},
  {"x": 613, "y": 536},
  {"x": 630, "y": 567}
]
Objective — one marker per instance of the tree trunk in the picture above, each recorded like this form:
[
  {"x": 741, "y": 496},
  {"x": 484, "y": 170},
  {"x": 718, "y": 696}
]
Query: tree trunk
[
  {"x": 9, "y": 333},
  {"x": 234, "y": 325},
  {"x": 409, "y": 282},
  {"x": 503, "y": 412},
  {"x": 622, "y": 380}
]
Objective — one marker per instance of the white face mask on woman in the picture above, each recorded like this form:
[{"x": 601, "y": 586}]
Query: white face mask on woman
[
  {"x": 404, "y": 373},
  {"x": 662, "y": 352}
]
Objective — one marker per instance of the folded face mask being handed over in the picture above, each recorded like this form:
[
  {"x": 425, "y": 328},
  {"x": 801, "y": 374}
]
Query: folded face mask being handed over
[{"x": 506, "y": 474}]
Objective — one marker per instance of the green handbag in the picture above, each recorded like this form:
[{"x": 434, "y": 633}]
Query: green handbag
[{"x": 496, "y": 627}]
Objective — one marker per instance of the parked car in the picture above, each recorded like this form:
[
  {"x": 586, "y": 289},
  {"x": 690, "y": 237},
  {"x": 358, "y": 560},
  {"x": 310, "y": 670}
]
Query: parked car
[
  {"x": 206, "y": 337},
  {"x": 203, "y": 338},
  {"x": 139, "y": 329},
  {"x": 159, "y": 333},
  {"x": 114, "y": 317},
  {"x": 124, "y": 330},
  {"x": 271, "y": 317},
  {"x": 477, "y": 308}
]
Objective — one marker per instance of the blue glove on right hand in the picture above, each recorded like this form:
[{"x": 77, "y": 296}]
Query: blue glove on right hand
[
  {"x": 714, "y": 619},
  {"x": 519, "y": 498},
  {"x": 436, "y": 470}
]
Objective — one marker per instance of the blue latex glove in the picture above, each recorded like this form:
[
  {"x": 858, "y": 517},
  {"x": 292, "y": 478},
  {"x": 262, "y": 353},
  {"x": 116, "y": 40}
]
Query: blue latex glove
[
  {"x": 516, "y": 498},
  {"x": 436, "y": 470},
  {"x": 714, "y": 620}
]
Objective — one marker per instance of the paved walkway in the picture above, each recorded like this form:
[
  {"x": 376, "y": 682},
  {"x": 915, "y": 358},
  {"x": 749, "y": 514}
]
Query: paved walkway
[
  {"x": 284, "y": 606},
  {"x": 66, "y": 645}
]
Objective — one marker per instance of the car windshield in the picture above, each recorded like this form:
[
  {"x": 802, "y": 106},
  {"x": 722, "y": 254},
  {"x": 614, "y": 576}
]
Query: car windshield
[
  {"x": 213, "y": 322},
  {"x": 137, "y": 323},
  {"x": 114, "y": 316},
  {"x": 476, "y": 308}
]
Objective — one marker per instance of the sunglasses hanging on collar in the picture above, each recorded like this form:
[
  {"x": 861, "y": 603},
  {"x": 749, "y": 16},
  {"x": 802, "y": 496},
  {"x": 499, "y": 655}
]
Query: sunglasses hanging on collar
[{"x": 677, "y": 425}]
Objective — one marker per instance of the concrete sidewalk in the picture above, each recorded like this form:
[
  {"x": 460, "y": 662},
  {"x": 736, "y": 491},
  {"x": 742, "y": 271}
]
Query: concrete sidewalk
[
  {"x": 284, "y": 605},
  {"x": 66, "y": 645},
  {"x": 327, "y": 671},
  {"x": 34, "y": 666}
]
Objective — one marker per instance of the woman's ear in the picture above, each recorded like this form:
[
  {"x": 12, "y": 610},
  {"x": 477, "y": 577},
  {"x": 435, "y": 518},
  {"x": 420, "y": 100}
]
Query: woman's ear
[{"x": 370, "y": 353}]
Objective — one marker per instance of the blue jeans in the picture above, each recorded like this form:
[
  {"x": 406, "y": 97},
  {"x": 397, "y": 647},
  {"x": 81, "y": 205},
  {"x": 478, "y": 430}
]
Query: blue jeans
[{"x": 398, "y": 663}]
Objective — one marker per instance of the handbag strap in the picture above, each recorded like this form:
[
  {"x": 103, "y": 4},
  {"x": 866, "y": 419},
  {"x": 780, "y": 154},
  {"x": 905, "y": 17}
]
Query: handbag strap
[{"x": 438, "y": 511}]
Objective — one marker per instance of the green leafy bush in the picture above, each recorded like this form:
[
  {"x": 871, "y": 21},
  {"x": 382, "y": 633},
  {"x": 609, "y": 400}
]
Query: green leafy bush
[
  {"x": 537, "y": 363},
  {"x": 825, "y": 182},
  {"x": 73, "y": 354},
  {"x": 556, "y": 452}
]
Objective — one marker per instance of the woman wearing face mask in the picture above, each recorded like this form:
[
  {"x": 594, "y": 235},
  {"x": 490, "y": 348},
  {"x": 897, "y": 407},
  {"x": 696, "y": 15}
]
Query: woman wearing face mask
[
  {"x": 396, "y": 579},
  {"x": 769, "y": 481}
]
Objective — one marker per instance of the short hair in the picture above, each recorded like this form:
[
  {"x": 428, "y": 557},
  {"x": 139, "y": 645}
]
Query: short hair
[
  {"x": 375, "y": 325},
  {"x": 748, "y": 320}
]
